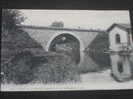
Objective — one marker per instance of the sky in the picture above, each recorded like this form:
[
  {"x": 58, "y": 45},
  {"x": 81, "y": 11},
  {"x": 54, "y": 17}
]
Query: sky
[{"x": 85, "y": 19}]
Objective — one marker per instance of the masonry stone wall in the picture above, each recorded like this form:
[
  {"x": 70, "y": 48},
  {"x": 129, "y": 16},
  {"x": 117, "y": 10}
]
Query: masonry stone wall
[{"x": 45, "y": 36}]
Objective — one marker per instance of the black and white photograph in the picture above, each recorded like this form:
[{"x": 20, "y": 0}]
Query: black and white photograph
[{"x": 62, "y": 50}]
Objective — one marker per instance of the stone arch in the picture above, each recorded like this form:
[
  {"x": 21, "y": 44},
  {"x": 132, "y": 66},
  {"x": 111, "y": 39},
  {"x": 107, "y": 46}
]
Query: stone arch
[{"x": 69, "y": 33}]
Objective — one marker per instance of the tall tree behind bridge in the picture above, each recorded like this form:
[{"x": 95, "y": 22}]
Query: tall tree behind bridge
[
  {"x": 14, "y": 41},
  {"x": 11, "y": 18},
  {"x": 12, "y": 35}
]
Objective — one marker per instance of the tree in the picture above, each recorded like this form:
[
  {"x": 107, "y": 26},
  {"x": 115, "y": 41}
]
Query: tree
[
  {"x": 16, "y": 49},
  {"x": 58, "y": 24},
  {"x": 11, "y": 18}
]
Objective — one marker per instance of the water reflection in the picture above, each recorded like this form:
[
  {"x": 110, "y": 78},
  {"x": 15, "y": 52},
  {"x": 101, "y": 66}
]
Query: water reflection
[{"x": 122, "y": 67}]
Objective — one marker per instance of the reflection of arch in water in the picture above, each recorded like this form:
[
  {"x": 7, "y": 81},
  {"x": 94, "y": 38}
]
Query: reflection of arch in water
[{"x": 69, "y": 37}]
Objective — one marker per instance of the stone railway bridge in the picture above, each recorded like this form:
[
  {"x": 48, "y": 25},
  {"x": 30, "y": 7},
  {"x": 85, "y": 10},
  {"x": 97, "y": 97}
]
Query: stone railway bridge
[{"x": 48, "y": 36}]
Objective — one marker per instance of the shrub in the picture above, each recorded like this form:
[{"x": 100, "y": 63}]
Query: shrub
[
  {"x": 59, "y": 68},
  {"x": 14, "y": 40},
  {"x": 18, "y": 70},
  {"x": 21, "y": 68}
]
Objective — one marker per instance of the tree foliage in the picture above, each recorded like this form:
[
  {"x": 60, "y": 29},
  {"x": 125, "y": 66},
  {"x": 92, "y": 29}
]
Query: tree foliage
[
  {"x": 11, "y": 18},
  {"x": 21, "y": 66},
  {"x": 60, "y": 68},
  {"x": 15, "y": 41}
]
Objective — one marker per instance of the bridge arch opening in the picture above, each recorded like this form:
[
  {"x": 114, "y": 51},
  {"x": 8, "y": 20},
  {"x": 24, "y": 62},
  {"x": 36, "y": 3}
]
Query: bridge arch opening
[{"x": 66, "y": 42}]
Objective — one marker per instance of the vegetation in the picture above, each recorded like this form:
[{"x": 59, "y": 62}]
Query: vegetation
[
  {"x": 97, "y": 50},
  {"x": 11, "y": 18},
  {"x": 14, "y": 41},
  {"x": 60, "y": 68},
  {"x": 19, "y": 61}
]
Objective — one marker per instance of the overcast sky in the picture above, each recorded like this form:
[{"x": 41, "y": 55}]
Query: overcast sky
[{"x": 85, "y": 19}]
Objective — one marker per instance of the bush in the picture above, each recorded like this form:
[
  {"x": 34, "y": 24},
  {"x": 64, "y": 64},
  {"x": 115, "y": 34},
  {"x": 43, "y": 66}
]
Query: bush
[
  {"x": 18, "y": 69},
  {"x": 21, "y": 68},
  {"x": 59, "y": 68},
  {"x": 14, "y": 40}
]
